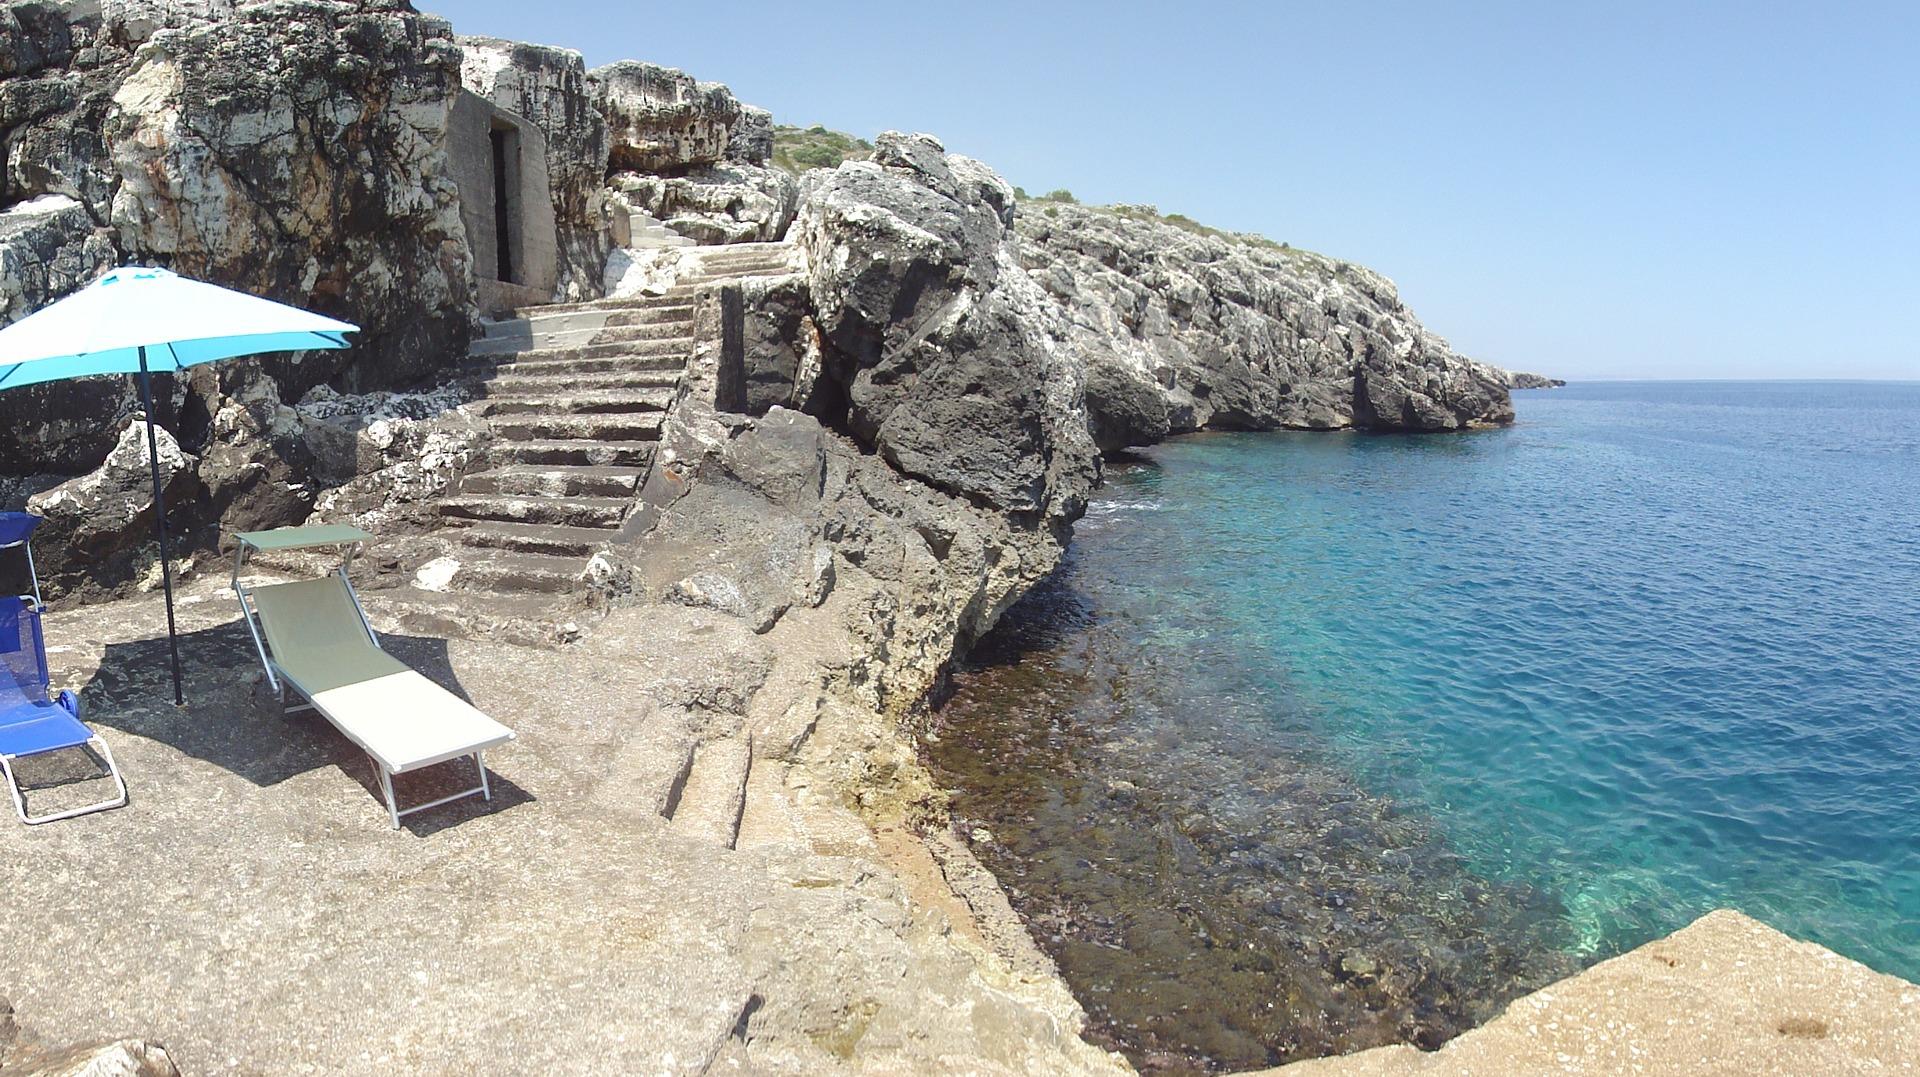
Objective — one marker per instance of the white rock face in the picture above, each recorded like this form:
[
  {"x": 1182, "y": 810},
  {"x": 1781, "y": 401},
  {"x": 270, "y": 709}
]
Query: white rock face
[
  {"x": 661, "y": 119},
  {"x": 1179, "y": 327}
]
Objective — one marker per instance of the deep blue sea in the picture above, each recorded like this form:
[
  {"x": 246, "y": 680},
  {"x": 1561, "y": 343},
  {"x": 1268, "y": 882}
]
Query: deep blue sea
[{"x": 1653, "y": 650}]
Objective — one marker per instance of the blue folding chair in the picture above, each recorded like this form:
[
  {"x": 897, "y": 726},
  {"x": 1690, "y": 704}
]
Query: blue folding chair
[{"x": 30, "y": 722}]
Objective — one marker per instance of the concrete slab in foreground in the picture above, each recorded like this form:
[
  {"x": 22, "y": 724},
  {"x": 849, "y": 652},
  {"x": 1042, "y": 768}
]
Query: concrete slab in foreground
[{"x": 1724, "y": 995}]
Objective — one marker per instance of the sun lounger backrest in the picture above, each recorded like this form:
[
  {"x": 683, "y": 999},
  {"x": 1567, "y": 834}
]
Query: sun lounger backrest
[
  {"x": 23, "y": 655},
  {"x": 317, "y": 638}
]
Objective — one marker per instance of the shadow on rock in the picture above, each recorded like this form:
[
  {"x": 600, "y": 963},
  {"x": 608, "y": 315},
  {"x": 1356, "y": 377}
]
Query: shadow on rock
[{"x": 235, "y": 721}]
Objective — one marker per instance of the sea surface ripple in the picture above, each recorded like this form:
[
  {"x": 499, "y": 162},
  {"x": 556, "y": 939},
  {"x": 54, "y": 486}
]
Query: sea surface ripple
[{"x": 1651, "y": 651}]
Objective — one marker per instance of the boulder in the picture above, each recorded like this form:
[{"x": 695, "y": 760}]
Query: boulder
[
  {"x": 751, "y": 142},
  {"x": 121, "y": 1058},
  {"x": 98, "y": 537},
  {"x": 297, "y": 150},
  {"x": 661, "y": 119},
  {"x": 721, "y": 203},
  {"x": 934, "y": 338}
]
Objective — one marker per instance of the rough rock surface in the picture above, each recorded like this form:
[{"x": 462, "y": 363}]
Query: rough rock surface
[
  {"x": 661, "y": 119},
  {"x": 549, "y": 87},
  {"x": 50, "y": 246},
  {"x": 1179, "y": 329},
  {"x": 290, "y": 148},
  {"x": 582, "y": 924},
  {"x": 936, "y": 341},
  {"x": 751, "y": 142},
  {"x": 1520, "y": 380},
  {"x": 99, "y": 530},
  {"x": 298, "y": 150},
  {"x": 729, "y": 202},
  {"x": 1726, "y": 994}
]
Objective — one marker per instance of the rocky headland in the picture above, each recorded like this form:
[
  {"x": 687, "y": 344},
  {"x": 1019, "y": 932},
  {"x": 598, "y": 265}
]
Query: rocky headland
[{"x": 709, "y": 470}]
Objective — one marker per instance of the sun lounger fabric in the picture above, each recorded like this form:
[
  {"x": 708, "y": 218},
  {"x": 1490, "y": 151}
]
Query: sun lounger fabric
[
  {"x": 30, "y": 723},
  {"x": 398, "y": 716}
]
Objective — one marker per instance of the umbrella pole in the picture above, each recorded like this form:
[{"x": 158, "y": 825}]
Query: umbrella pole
[{"x": 160, "y": 526}]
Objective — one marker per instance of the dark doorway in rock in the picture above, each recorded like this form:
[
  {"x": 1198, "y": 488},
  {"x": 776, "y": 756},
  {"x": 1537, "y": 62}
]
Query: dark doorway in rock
[{"x": 506, "y": 150}]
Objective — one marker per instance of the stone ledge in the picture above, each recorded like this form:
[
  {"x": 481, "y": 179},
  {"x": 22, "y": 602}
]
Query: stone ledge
[{"x": 1726, "y": 994}]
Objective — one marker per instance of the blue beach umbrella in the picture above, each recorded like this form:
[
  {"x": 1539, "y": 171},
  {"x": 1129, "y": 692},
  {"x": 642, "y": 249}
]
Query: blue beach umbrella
[{"x": 136, "y": 320}]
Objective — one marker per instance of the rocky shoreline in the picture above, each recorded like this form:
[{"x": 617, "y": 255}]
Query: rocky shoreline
[{"x": 861, "y": 458}]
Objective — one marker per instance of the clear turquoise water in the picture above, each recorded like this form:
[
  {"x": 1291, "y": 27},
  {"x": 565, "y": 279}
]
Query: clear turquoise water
[
  {"x": 1461, "y": 713},
  {"x": 1655, "y": 649}
]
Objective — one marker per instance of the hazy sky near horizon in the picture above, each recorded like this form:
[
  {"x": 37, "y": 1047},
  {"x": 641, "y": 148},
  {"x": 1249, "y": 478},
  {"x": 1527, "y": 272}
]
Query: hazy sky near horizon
[{"x": 1628, "y": 190}]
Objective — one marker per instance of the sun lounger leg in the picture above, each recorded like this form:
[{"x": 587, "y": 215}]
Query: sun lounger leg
[
  {"x": 480, "y": 761},
  {"x": 113, "y": 771},
  {"x": 13, "y": 786},
  {"x": 386, "y": 783}
]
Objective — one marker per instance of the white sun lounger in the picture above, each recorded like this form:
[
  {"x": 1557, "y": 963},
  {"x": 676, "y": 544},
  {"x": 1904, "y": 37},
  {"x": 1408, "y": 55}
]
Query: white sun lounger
[{"x": 314, "y": 637}]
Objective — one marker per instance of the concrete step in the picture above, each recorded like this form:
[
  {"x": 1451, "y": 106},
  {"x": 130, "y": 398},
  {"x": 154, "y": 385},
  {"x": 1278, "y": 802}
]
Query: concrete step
[
  {"x": 717, "y": 264},
  {"x": 484, "y": 367},
  {"x": 561, "y": 480},
  {"x": 561, "y": 381},
  {"x": 636, "y": 311},
  {"x": 715, "y": 794},
  {"x": 530, "y": 619},
  {"x": 566, "y": 511},
  {"x": 586, "y": 402},
  {"x": 505, "y": 571},
  {"x": 573, "y": 451},
  {"x": 636, "y": 426},
  {"x": 672, "y": 298},
  {"x": 553, "y": 539},
  {"x": 552, "y": 339},
  {"x": 533, "y": 480},
  {"x": 678, "y": 346}
]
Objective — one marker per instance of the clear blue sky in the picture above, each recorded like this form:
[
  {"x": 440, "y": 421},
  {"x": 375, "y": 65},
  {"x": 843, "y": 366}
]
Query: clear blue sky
[{"x": 1611, "y": 190}]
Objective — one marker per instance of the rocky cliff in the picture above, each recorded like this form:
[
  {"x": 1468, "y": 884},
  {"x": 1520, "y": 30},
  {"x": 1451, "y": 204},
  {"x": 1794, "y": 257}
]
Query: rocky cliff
[{"x": 1180, "y": 328}]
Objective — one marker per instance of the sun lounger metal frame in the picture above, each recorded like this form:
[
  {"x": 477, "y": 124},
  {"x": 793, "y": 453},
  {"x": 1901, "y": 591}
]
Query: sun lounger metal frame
[
  {"x": 350, "y": 539},
  {"x": 63, "y": 709}
]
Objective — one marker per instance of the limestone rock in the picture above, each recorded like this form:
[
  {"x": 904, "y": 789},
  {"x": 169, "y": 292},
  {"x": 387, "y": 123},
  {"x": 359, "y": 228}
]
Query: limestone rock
[
  {"x": 385, "y": 456},
  {"x": 48, "y": 247},
  {"x": 98, "y": 536},
  {"x": 1519, "y": 380},
  {"x": 121, "y": 1058},
  {"x": 934, "y": 337},
  {"x": 751, "y": 142},
  {"x": 1180, "y": 327},
  {"x": 1725, "y": 994},
  {"x": 727, "y": 202},
  {"x": 297, "y": 150},
  {"x": 660, "y": 119}
]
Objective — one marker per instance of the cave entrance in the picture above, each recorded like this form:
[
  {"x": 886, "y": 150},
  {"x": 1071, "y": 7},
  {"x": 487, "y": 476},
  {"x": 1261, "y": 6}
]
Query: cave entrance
[{"x": 506, "y": 190}]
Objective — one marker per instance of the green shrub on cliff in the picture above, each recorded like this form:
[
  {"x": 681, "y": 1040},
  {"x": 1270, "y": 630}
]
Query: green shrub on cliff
[{"x": 797, "y": 149}]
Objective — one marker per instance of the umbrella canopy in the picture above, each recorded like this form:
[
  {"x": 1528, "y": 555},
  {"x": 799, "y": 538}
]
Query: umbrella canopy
[
  {"x": 179, "y": 322},
  {"x": 136, "y": 320}
]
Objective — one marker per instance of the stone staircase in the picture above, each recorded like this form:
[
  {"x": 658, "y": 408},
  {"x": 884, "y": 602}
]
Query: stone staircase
[{"x": 575, "y": 395}]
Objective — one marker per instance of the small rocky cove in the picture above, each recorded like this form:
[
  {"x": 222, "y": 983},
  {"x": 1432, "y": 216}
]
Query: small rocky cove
[
  {"x": 706, "y": 470},
  {"x": 1220, "y": 894}
]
